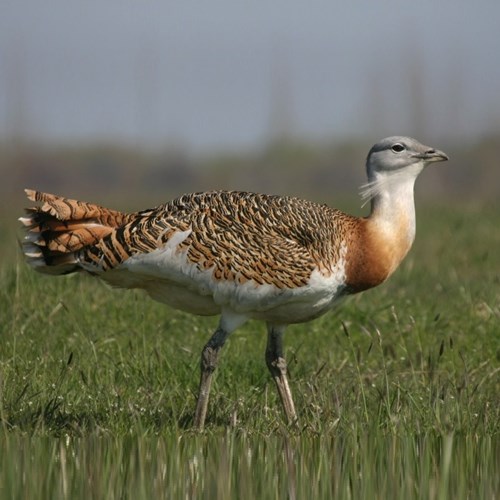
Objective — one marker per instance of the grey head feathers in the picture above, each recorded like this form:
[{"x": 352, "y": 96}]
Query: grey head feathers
[{"x": 396, "y": 159}]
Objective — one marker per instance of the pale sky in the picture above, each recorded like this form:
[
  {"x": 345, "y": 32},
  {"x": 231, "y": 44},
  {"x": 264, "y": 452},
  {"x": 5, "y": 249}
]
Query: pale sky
[{"x": 227, "y": 74}]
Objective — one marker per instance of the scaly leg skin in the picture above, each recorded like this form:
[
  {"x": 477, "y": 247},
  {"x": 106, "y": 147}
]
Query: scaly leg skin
[
  {"x": 209, "y": 359},
  {"x": 277, "y": 366}
]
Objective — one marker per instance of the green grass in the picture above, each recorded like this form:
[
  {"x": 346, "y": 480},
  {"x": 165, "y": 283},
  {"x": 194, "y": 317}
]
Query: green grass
[{"x": 398, "y": 392}]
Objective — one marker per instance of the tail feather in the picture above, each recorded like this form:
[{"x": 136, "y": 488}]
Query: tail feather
[{"x": 60, "y": 228}]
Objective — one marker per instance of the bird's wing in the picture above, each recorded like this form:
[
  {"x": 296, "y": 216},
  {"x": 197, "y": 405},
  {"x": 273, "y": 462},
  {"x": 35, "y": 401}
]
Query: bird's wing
[{"x": 236, "y": 236}]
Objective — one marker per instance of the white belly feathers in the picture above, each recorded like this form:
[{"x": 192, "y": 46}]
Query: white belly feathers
[{"x": 168, "y": 276}]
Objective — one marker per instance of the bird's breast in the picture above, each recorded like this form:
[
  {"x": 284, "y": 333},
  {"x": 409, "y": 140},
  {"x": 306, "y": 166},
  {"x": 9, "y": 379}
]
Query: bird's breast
[{"x": 375, "y": 250}]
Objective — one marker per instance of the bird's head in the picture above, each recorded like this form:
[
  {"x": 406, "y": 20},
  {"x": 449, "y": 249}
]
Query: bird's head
[
  {"x": 399, "y": 155},
  {"x": 396, "y": 160}
]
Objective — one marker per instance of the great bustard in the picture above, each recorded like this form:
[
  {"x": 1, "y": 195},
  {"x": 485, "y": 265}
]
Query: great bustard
[{"x": 241, "y": 255}]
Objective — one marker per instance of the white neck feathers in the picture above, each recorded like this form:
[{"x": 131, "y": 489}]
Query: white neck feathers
[{"x": 392, "y": 203}]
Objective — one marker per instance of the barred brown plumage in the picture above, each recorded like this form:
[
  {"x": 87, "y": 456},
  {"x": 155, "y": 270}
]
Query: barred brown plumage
[{"x": 242, "y": 255}]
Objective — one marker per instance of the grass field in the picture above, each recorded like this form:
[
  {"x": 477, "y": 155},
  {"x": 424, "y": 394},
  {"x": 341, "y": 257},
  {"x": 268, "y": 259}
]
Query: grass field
[{"x": 398, "y": 392}]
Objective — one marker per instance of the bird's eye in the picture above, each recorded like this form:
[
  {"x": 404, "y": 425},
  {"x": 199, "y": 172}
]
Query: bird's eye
[{"x": 397, "y": 148}]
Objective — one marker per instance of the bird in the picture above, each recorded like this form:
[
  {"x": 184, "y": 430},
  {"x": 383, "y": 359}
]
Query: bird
[{"x": 240, "y": 255}]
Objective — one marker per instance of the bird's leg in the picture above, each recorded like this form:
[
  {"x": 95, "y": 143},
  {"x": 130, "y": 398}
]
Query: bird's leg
[
  {"x": 209, "y": 359},
  {"x": 277, "y": 366}
]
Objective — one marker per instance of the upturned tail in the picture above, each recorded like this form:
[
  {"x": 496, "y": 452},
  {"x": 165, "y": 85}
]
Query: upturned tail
[{"x": 60, "y": 228}]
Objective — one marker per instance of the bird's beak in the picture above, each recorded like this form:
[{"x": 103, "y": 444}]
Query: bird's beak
[{"x": 432, "y": 155}]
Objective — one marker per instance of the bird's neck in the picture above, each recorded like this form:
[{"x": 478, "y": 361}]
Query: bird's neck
[
  {"x": 385, "y": 236},
  {"x": 392, "y": 212}
]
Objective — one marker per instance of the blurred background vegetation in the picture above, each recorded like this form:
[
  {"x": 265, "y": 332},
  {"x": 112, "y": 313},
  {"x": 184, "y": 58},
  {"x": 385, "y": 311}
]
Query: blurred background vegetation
[{"x": 323, "y": 171}]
